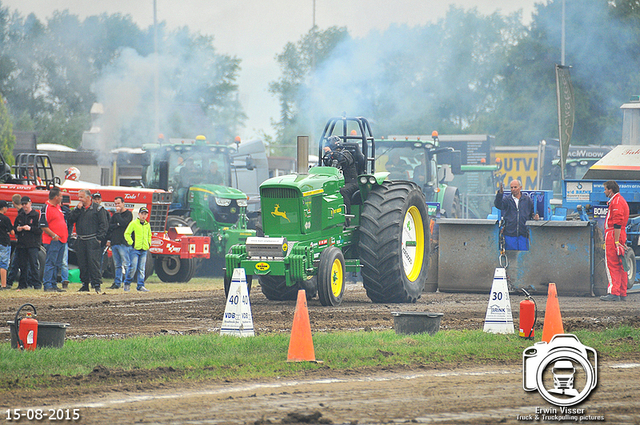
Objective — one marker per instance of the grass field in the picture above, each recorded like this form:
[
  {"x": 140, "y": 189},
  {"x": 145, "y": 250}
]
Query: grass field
[
  {"x": 153, "y": 283},
  {"x": 200, "y": 357}
]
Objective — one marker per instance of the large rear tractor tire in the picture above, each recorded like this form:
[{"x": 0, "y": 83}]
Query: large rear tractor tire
[
  {"x": 331, "y": 275},
  {"x": 600, "y": 280},
  {"x": 394, "y": 243},
  {"x": 630, "y": 258},
  {"x": 451, "y": 203}
]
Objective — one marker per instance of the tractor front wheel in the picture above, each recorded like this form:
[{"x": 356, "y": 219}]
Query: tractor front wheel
[
  {"x": 331, "y": 277},
  {"x": 275, "y": 288},
  {"x": 171, "y": 268},
  {"x": 394, "y": 243}
]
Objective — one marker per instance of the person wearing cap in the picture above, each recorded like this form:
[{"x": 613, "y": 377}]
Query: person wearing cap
[
  {"x": 91, "y": 228},
  {"x": 119, "y": 246},
  {"x": 54, "y": 238},
  {"x": 138, "y": 235},
  {"x": 97, "y": 198},
  {"x": 6, "y": 230},
  {"x": 29, "y": 237},
  {"x": 336, "y": 156}
]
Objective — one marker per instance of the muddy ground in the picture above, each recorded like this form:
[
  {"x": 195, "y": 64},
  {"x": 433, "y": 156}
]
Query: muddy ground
[{"x": 445, "y": 394}]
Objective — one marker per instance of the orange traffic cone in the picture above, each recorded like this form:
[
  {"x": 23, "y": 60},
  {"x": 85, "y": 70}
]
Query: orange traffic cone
[
  {"x": 552, "y": 319},
  {"x": 301, "y": 343}
]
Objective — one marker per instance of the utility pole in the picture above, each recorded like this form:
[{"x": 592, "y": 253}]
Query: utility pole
[
  {"x": 312, "y": 110},
  {"x": 563, "y": 35},
  {"x": 156, "y": 75}
]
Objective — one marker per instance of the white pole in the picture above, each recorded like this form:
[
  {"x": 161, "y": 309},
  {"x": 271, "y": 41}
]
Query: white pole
[
  {"x": 156, "y": 76},
  {"x": 563, "y": 34}
]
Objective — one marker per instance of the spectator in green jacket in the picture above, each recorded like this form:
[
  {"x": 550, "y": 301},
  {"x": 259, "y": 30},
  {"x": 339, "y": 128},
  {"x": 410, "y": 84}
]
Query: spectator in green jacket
[{"x": 138, "y": 235}]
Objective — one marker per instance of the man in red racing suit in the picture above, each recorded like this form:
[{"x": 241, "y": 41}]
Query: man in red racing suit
[{"x": 615, "y": 237}]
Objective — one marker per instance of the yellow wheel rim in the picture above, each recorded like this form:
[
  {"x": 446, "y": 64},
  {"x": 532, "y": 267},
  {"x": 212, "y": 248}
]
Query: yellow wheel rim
[
  {"x": 412, "y": 243},
  {"x": 337, "y": 278}
]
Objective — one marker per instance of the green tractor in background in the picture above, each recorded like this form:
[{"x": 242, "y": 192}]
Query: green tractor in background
[
  {"x": 311, "y": 243},
  {"x": 427, "y": 164},
  {"x": 199, "y": 174}
]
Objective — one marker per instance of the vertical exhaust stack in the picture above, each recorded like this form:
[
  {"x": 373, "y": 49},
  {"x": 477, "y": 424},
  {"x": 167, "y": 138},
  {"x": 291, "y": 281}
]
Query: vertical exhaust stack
[
  {"x": 302, "y": 155},
  {"x": 631, "y": 122}
]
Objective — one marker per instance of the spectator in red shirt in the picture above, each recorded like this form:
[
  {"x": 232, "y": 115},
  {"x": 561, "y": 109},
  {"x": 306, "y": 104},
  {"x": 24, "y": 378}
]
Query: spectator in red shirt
[{"x": 54, "y": 238}]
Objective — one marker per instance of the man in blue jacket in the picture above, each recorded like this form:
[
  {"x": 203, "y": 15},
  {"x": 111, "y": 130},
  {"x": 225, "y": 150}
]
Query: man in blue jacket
[{"x": 516, "y": 210}]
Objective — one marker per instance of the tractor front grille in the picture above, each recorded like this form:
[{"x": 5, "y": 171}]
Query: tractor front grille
[
  {"x": 158, "y": 216},
  {"x": 279, "y": 193}
]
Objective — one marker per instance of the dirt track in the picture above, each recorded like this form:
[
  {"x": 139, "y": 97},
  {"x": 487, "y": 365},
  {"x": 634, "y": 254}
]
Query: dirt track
[
  {"x": 116, "y": 314},
  {"x": 452, "y": 394}
]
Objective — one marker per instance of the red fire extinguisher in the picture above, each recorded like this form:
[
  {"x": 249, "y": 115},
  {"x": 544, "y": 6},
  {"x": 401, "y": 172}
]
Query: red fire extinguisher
[
  {"x": 528, "y": 316},
  {"x": 27, "y": 329}
]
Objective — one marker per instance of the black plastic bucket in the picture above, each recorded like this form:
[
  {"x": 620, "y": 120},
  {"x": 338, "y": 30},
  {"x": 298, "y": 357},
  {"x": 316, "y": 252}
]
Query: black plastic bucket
[
  {"x": 50, "y": 334},
  {"x": 416, "y": 322}
]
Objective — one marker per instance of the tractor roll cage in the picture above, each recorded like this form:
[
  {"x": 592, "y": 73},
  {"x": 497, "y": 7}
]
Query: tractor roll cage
[
  {"x": 364, "y": 135},
  {"x": 34, "y": 169}
]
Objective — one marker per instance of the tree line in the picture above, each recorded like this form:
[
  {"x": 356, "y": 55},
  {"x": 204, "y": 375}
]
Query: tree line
[
  {"x": 465, "y": 73},
  {"x": 52, "y": 72},
  {"x": 468, "y": 73}
]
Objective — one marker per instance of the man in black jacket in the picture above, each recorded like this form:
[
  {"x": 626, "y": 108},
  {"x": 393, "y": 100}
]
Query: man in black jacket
[
  {"x": 29, "y": 237},
  {"x": 91, "y": 228},
  {"x": 97, "y": 199},
  {"x": 115, "y": 239}
]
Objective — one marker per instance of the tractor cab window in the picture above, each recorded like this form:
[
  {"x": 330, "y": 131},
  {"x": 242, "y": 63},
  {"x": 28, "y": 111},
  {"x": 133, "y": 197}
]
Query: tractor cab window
[
  {"x": 214, "y": 172},
  {"x": 153, "y": 172},
  {"x": 199, "y": 166},
  {"x": 399, "y": 162},
  {"x": 477, "y": 191},
  {"x": 191, "y": 172}
]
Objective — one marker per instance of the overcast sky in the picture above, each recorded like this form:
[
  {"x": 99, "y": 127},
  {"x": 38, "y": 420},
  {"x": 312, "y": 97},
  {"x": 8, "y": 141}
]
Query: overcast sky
[{"x": 256, "y": 30}]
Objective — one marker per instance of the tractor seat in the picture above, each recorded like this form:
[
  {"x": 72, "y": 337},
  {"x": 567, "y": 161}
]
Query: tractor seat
[{"x": 358, "y": 156}]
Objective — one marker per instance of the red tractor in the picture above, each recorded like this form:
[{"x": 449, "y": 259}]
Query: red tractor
[{"x": 174, "y": 251}]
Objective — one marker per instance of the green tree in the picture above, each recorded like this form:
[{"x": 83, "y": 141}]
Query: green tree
[
  {"x": 62, "y": 127},
  {"x": 54, "y": 71},
  {"x": 601, "y": 47},
  {"x": 207, "y": 78},
  {"x": 405, "y": 80},
  {"x": 7, "y": 139},
  {"x": 298, "y": 63}
]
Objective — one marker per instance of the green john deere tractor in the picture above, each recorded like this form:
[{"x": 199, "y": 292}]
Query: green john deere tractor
[
  {"x": 311, "y": 243},
  {"x": 199, "y": 174}
]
